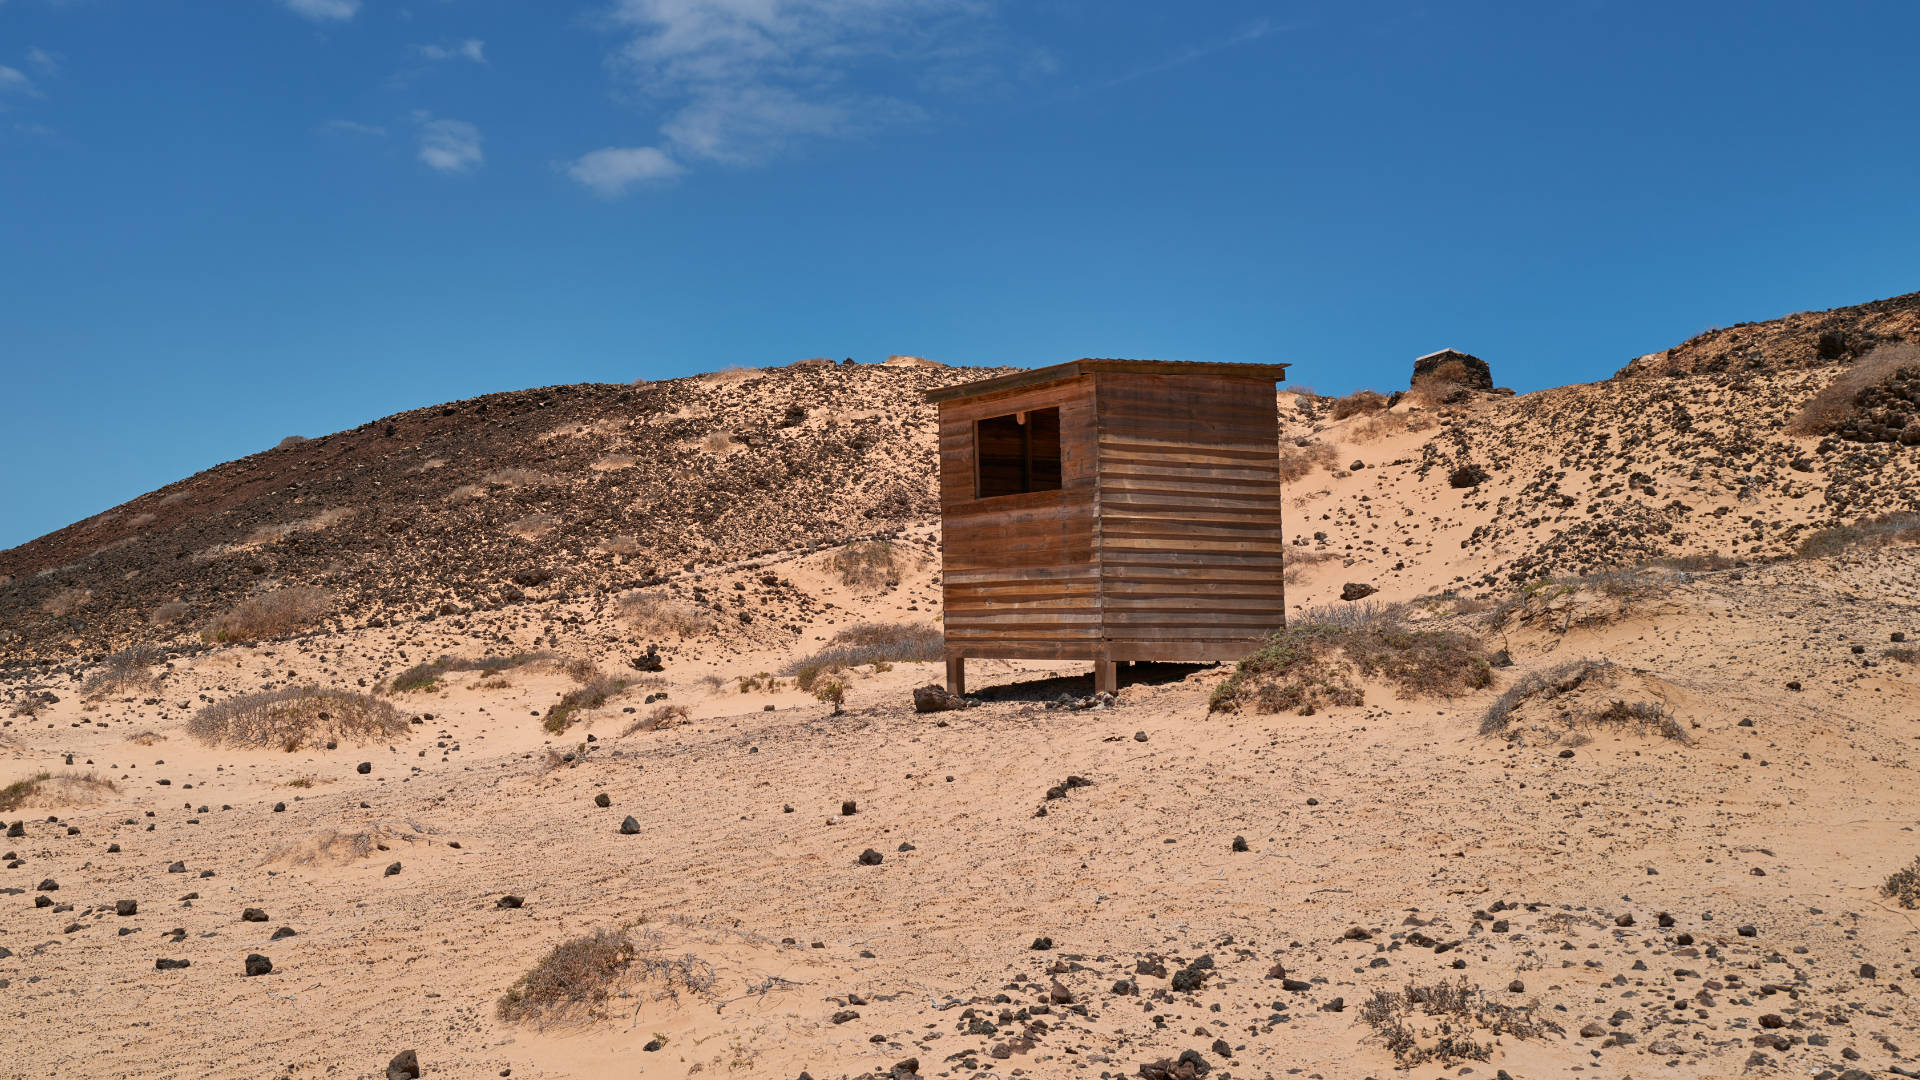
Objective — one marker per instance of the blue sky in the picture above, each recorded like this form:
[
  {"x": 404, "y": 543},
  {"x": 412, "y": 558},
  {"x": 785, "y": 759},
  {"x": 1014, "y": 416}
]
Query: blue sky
[{"x": 223, "y": 223}]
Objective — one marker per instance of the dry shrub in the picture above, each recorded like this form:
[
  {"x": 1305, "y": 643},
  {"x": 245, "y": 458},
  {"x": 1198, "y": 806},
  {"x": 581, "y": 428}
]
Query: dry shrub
[
  {"x": 146, "y": 738},
  {"x": 1903, "y": 653},
  {"x": 718, "y": 441},
  {"x": 1304, "y": 456},
  {"x": 660, "y": 616},
  {"x": 662, "y": 716},
  {"x": 1648, "y": 717},
  {"x": 865, "y": 565},
  {"x": 290, "y": 442},
  {"x": 333, "y": 847},
  {"x": 1447, "y": 1022},
  {"x": 296, "y": 717},
  {"x": 1827, "y": 411},
  {"x": 869, "y": 643},
  {"x": 624, "y": 545},
  {"x": 1885, "y": 530},
  {"x": 270, "y": 614},
  {"x": 54, "y": 789},
  {"x": 1387, "y": 424},
  {"x": 66, "y": 602},
  {"x": 533, "y": 525},
  {"x": 124, "y": 670},
  {"x": 1441, "y": 386},
  {"x": 1358, "y": 403},
  {"x": 1314, "y": 664},
  {"x": 579, "y": 975},
  {"x": 171, "y": 611},
  {"x": 592, "y": 695},
  {"x": 428, "y": 675},
  {"x": 1903, "y": 886},
  {"x": 616, "y": 461}
]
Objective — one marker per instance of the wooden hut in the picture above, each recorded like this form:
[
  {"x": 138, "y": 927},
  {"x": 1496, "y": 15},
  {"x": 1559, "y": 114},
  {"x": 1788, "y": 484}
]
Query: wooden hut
[{"x": 1111, "y": 510}]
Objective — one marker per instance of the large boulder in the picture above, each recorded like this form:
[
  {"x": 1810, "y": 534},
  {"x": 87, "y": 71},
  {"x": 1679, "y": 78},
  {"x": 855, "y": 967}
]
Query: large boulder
[{"x": 1454, "y": 366}]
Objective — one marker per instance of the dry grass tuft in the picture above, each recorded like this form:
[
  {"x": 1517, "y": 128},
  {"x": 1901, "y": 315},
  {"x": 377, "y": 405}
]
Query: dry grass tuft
[
  {"x": 517, "y": 478},
  {"x": 123, "y": 671},
  {"x": 869, "y": 643},
  {"x": 1315, "y": 664},
  {"x": 1358, "y": 403},
  {"x": 66, "y": 602},
  {"x": 1447, "y": 1022},
  {"x": 662, "y": 716},
  {"x": 1869, "y": 533},
  {"x": 171, "y": 611},
  {"x": 270, "y": 614},
  {"x": 1903, "y": 886},
  {"x": 623, "y": 545},
  {"x": 1581, "y": 675},
  {"x": 718, "y": 441},
  {"x": 592, "y": 694},
  {"x": 1303, "y": 456},
  {"x": 54, "y": 789},
  {"x": 428, "y": 675},
  {"x": 333, "y": 847},
  {"x": 1827, "y": 411},
  {"x": 866, "y": 565},
  {"x": 533, "y": 525},
  {"x": 146, "y": 738},
  {"x": 296, "y": 717},
  {"x": 663, "y": 617},
  {"x": 578, "y": 976}
]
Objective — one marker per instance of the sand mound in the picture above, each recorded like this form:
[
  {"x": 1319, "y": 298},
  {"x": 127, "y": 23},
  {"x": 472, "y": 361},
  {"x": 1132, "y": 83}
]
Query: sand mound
[{"x": 1571, "y": 701}]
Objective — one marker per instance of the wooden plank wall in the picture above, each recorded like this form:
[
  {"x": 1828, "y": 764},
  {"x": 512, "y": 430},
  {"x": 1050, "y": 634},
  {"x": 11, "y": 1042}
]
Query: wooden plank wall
[
  {"x": 1020, "y": 579},
  {"x": 1187, "y": 534}
]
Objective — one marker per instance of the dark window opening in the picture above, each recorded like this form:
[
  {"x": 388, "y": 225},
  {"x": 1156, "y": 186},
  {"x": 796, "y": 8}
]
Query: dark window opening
[{"x": 1017, "y": 453}]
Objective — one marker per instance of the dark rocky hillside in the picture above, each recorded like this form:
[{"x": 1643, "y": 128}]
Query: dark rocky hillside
[
  {"x": 530, "y": 494},
  {"x": 1805, "y": 339}
]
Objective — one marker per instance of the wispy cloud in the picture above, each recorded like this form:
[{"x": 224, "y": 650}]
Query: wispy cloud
[
  {"x": 471, "y": 49},
  {"x": 742, "y": 80},
  {"x": 323, "y": 10},
  {"x": 449, "y": 146},
  {"x": 353, "y": 127},
  {"x": 610, "y": 172},
  {"x": 1251, "y": 32},
  {"x": 45, "y": 62},
  {"x": 15, "y": 81}
]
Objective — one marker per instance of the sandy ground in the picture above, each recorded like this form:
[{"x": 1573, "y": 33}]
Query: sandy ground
[{"x": 1396, "y": 817}]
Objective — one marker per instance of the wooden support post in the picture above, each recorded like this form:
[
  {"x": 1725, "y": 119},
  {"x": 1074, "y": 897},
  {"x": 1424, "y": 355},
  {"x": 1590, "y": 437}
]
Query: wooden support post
[
  {"x": 1106, "y": 679},
  {"x": 956, "y": 674}
]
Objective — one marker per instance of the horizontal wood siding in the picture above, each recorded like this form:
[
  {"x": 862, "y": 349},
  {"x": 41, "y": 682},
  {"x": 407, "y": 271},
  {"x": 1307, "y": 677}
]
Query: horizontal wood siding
[
  {"x": 1019, "y": 578},
  {"x": 1188, "y": 534}
]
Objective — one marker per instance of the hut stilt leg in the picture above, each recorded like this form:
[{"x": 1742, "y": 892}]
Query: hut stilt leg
[
  {"x": 956, "y": 674},
  {"x": 1106, "y": 678}
]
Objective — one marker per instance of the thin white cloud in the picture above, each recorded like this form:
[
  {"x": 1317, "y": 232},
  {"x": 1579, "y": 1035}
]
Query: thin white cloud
[
  {"x": 743, "y": 79},
  {"x": 13, "y": 80},
  {"x": 47, "y": 63},
  {"x": 471, "y": 49},
  {"x": 611, "y": 171},
  {"x": 354, "y": 127},
  {"x": 323, "y": 10},
  {"x": 449, "y": 146},
  {"x": 1251, "y": 32}
]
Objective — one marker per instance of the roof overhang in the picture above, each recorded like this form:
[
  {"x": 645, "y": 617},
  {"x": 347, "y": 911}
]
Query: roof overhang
[{"x": 1019, "y": 380}]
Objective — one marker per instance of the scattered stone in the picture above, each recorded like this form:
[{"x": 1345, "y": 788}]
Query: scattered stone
[
  {"x": 936, "y": 698},
  {"x": 258, "y": 964},
  {"x": 392, "y": 869},
  {"x": 126, "y": 907},
  {"x": 284, "y": 932},
  {"x": 602, "y": 800},
  {"x": 1041, "y": 944},
  {"x": 509, "y": 901},
  {"x": 363, "y": 768},
  {"x": 1239, "y": 843},
  {"x": 629, "y": 827},
  {"x": 163, "y": 964},
  {"x": 1352, "y": 591},
  {"x": 404, "y": 1066},
  {"x": 870, "y": 857}
]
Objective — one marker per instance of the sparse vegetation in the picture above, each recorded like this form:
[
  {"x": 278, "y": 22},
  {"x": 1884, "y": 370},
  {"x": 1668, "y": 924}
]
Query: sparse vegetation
[
  {"x": 1447, "y": 1022},
  {"x": 831, "y": 689},
  {"x": 580, "y": 974},
  {"x": 866, "y": 565},
  {"x": 661, "y": 716},
  {"x": 1302, "y": 456},
  {"x": 1906, "y": 654},
  {"x": 663, "y": 617},
  {"x": 65, "y": 602},
  {"x": 718, "y": 441},
  {"x": 296, "y": 717},
  {"x": 1903, "y": 886},
  {"x": 146, "y": 738},
  {"x": 54, "y": 789},
  {"x": 517, "y": 478},
  {"x": 171, "y": 611},
  {"x": 592, "y": 694},
  {"x": 1869, "y": 533},
  {"x": 1827, "y": 411},
  {"x": 290, "y": 442},
  {"x": 1358, "y": 403},
  {"x": 869, "y": 643},
  {"x": 624, "y": 545},
  {"x": 428, "y": 675},
  {"x": 124, "y": 670},
  {"x": 1645, "y": 716},
  {"x": 533, "y": 525},
  {"x": 1315, "y": 664},
  {"x": 270, "y": 614}
]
